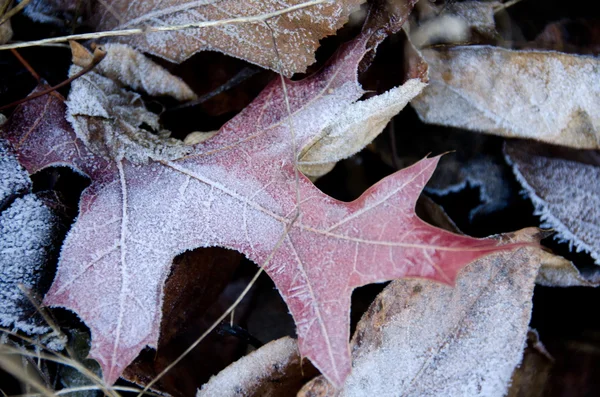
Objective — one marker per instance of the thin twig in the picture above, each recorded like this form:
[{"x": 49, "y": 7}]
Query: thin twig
[
  {"x": 13, "y": 11},
  {"x": 26, "y": 64},
  {"x": 98, "y": 56},
  {"x": 153, "y": 29},
  {"x": 285, "y": 233}
]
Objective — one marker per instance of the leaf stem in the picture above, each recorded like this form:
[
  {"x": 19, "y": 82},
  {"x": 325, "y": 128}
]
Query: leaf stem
[{"x": 168, "y": 28}]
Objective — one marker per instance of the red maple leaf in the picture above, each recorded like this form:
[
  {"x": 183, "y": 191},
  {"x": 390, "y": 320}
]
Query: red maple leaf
[{"x": 238, "y": 190}]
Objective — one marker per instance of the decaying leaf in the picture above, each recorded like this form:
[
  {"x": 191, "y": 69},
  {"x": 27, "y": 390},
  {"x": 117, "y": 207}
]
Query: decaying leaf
[
  {"x": 421, "y": 338},
  {"x": 565, "y": 193},
  {"x": 297, "y": 33},
  {"x": 531, "y": 376},
  {"x": 556, "y": 271},
  {"x": 238, "y": 190},
  {"x": 196, "y": 294},
  {"x": 28, "y": 230},
  {"x": 547, "y": 96},
  {"x": 112, "y": 120},
  {"x": 5, "y": 32},
  {"x": 276, "y": 369}
]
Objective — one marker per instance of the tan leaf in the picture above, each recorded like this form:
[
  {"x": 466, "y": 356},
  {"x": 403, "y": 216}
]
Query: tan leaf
[
  {"x": 556, "y": 271},
  {"x": 99, "y": 101},
  {"x": 297, "y": 33},
  {"x": 358, "y": 125},
  {"x": 275, "y": 369},
  {"x": 133, "y": 69},
  {"x": 547, "y": 96},
  {"x": 421, "y": 338},
  {"x": 5, "y": 32}
]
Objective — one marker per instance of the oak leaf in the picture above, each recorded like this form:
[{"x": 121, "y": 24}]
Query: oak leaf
[
  {"x": 546, "y": 96},
  {"x": 421, "y": 338},
  {"x": 239, "y": 190},
  {"x": 297, "y": 33}
]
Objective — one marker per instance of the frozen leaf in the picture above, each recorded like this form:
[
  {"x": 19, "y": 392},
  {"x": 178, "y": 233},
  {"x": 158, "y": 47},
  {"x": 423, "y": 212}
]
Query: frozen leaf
[
  {"x": 556, "y": 271},
  {"x": 28, "y": 231},
  {"x": 98, "y": 102},
  {"x": 275, "y": 369},
  {"x": 547, "y": 96},
  {"x": 14, "y": 180},
  {"x": 565, "y": 194},
  {"x": 297, "y": 33},
  {"x": 354, "y": 128},
  {"x": 195, "y": 295},
  {"x": 136, "y": 71},
  {"x": 237, "y": 190},
  {"x": 421, "y": 338}
]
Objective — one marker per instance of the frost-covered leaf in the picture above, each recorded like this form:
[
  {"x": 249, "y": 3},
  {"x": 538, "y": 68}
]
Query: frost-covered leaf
[
  {"x": 421, "y": 338},
  {"x": 237, "y": 190},
  {"x": 297, "y": 33},
  {"x": 556, "y": 271},
  {"x": 28, "y": 230},
  {"x": 566, "y": 194},
  {"x": 356, "y": 127},
  {"x": 136, "y": 71},
  {"x": 275, "y": 369},
  {"x": 112, "y": 120},
  {"x": 547, "y": 96}
]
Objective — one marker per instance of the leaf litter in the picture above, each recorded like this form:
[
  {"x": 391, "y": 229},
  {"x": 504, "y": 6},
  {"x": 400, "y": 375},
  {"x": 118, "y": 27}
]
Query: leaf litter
[{"x": 100, "y": 168}]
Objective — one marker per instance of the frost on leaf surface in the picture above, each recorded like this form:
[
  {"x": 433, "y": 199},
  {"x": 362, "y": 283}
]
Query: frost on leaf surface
[
  {"x": 297, "y": 32},
  {"x": 27, "y": 245},
  {"x": 237, "y": 190},
  {"x": 546, "y": 96},
  {"x": 566, "y": 194},
  {"x": 425, "y": 339}
]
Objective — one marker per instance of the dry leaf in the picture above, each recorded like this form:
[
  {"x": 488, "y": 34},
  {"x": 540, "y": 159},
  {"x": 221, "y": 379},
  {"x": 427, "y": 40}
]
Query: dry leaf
[
  {"x": 566, "y": 194},
  {"x": 297, "y": 33},
  {"x": 5, "y": 32},
  {"x": 274, "y": 370},
  {"x": 238, "y": 190},
  {"x": 531, "y": 376},
  {"x": 547, "y": 96},
  {"x": 356, "y": 127},
  {"x": 98, "y": 102},
  {"x": 556, "y": 271},
  {"x": 421, "y": 338}
]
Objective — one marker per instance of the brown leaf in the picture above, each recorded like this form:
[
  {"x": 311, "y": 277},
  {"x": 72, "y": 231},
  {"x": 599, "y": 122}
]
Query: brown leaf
[
  {"x": 420, "y": 338},
  {"x": 531, "y": 376},
  {"x": 191, "y": 294},
  {"x": 297, "y": 33},
  {"x": 274, "y": 370},
  {"x": 547, "y": 96}
]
